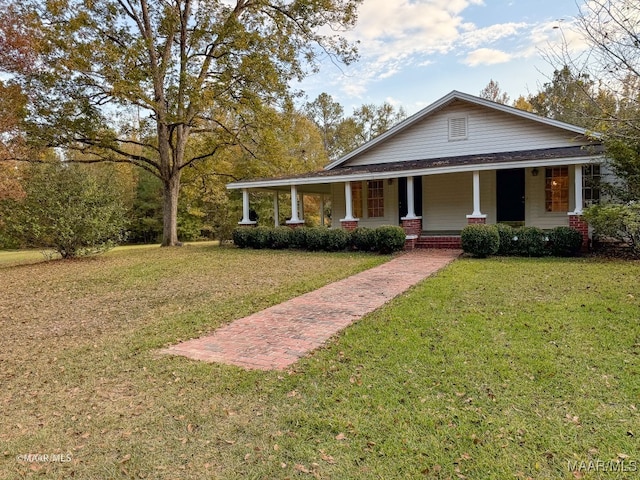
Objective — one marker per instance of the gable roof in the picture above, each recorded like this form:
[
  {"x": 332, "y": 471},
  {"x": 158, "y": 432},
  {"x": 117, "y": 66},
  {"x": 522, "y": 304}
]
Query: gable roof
[{"x": 442, "y": 103}]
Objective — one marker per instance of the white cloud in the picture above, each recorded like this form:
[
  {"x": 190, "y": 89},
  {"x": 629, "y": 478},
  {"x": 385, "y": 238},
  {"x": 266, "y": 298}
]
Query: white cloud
[{"x": 486, "y": 56}]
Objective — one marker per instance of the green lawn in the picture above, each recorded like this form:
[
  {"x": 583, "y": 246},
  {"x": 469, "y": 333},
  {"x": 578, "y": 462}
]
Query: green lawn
[{"x": 499, "y": 368}]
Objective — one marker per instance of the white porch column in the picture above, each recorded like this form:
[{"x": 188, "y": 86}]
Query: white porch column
[
  {"x": 348, "y": 199},
  {"x": 477, "y": 213},
  {"x": 245, "y": 208},
  {"x": 322, "y": 210},
  {"x": 577, "y": 183},
  {"x": 411, "y": 208},
  {"x": 276, "y": 209},
  {"x": 294, "y": 206}
]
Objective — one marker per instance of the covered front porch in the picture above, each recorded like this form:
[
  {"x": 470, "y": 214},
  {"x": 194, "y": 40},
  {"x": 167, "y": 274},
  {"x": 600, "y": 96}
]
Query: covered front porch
[{"x": 434, "y": 204}]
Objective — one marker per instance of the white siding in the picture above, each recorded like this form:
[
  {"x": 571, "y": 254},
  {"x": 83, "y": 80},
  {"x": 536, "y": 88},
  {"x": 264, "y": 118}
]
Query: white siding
[
  {"x": 489, "y": 131},
  {"x": 447, "y": 200}
]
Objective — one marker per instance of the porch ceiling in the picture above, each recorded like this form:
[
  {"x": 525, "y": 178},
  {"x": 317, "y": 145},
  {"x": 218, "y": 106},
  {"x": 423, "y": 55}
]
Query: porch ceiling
[{"x": 317, "y": 182}]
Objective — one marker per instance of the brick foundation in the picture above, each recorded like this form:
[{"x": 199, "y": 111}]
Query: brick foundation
[
  {"x": 248, "y": 225},
  {"x": 476, "y": 220},
  {"x": 576, "y": 222},
  {"x": 412, "y": 226},
  {"x": 349, "y": 224},
  {"x": 410, "y": 243},
  {"x": 295, "y": 224}
]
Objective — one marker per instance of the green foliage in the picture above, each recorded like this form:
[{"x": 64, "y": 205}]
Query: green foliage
[
  {"x": 624, "y": 156},
  {"x": 280, "y": 237},
  {"x": 389, "y": 239},
  {"x": 74, "y": 209},
  {"x": 146, "y": 214},
  {"x": 299, "y": 238},
  {"x": 316, "y": 238},
  {"x": 480, "y": 240},
  {"x": 241, "y": 236},
  {"x": 530, "y": 242},
  {"x": 506, "y": 234},
  {"x": 337, "y": 239},
  {"x": 363, "y": 239},
  {"x": 259, "y": 237},
  {"x": 621, "y": 222},
  {"x": 565, "y": 241}
]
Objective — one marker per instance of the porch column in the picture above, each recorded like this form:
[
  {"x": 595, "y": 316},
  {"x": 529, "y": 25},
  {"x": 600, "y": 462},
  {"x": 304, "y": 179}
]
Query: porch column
[
  {"x": 348, "y": 222},
  {"x": 245, "y": 209},
  {"x": 295, "y": 220},
  {"x": 276, "y": 210},
  {"x": 411, "y": 224},
  {"x": 322, "y": 210},
  {"x": 476, "y": 216},
  {"x": 578, "y": 189},
  {"x": 576, "y": 220}
]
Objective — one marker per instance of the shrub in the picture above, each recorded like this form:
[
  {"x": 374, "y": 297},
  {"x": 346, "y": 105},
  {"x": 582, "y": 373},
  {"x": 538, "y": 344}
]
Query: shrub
[
  {"x": 363, "y": 239},
  {"x": 259, "y": 237},
  {"x": 506, "y": 234},
  {"x": 565, "y": 241},
  {"x": 280, "y": 237},
  {"x": 621, "y": 222},
  {"x": 241, "y": 236},
  {"x": 480, "y": 240},
  {"x": 531, "y": 242},
  {"x": 298, "y": 238},
  {"x": 74, "y": 209},
  {"x": 316, "y": 239},
  {"x": 337, "y": 239},
  {"x": 389, "y": 239}
]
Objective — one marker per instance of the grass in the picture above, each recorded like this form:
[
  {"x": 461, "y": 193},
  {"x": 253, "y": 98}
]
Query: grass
[{"x": 500, "y": 368}]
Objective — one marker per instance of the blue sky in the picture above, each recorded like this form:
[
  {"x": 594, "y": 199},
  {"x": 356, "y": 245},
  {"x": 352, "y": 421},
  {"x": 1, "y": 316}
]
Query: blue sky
[{"x": 416, "y": 51}]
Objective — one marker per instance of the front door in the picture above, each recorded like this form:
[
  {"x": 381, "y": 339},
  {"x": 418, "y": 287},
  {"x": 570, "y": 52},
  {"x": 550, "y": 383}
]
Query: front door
[
  {"x": 510, "y": 195},
  {"x": 402, "y": 196}
]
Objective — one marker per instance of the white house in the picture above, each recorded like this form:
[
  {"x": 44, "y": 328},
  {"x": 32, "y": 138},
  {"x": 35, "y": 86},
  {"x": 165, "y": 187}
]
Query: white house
[{"x": 461, "y": 160}]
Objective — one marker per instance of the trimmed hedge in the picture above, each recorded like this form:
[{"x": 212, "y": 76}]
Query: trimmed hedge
[
  {"x": 480, "y": 240},
  {"x": 565, "y": 241},
  {"x": 385, "y": 239},
  {"x": 363, "y": 239},
  {"x": 389, "y": 239},
  {"x": 530, "y": 242}
]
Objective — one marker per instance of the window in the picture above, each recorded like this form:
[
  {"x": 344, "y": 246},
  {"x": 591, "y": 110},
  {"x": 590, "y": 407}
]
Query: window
[
  {"x": 591, "y": 184},
  {"x": 458, "y": 128},
  {"x": 557, "y": 189},
  {"x": 356, "y": 199},
  {"x": 375, "y": 198}
]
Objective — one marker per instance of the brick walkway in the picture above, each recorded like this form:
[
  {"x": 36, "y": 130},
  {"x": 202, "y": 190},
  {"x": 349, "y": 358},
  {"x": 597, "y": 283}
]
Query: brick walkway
[{"x": 277, "y": 337}]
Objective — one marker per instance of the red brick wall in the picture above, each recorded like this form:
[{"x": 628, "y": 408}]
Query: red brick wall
[
  {"x": 349, "y": 224},
  {"x": 412, "y": 226},
  {"x": 471, "y": 221},
  {"x": 439, "y": 242},
  {"x": 577, "y": 222}
]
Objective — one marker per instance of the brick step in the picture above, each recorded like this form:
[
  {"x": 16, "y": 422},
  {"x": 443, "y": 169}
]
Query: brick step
[{"x": 438, "y": 241}]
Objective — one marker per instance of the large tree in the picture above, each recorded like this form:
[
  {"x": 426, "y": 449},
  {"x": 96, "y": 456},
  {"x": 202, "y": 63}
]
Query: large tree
[{"x": 135, "y": 80}]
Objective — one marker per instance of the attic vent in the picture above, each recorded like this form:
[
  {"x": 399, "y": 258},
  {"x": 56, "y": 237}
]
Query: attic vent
[{"x": 458, "y": 128}]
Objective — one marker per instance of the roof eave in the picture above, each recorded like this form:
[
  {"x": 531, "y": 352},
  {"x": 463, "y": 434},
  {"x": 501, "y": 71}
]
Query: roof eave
[{"x": 381, "y": 175}]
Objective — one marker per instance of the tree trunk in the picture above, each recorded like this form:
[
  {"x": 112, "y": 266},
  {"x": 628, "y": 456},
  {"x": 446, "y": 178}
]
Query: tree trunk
[{"x": 170, "y": 210}]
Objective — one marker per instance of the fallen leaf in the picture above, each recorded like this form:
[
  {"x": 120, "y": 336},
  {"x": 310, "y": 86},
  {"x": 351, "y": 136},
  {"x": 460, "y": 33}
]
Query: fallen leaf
[
  {"x": 341, "y": 436},
  {"x": 126, "y": 458},
  {"x": 301, "y": 468}
]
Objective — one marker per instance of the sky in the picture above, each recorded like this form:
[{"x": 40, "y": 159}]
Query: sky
[{"x": 412, "y": 52}]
